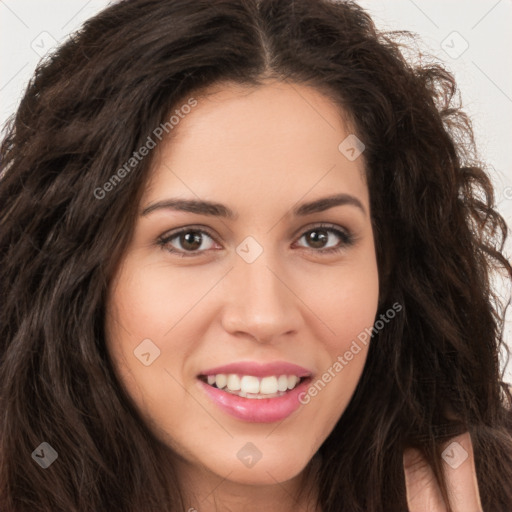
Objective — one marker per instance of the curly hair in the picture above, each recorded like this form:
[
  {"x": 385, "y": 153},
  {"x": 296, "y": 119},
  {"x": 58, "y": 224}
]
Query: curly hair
[{"x": 432, "y": 373}]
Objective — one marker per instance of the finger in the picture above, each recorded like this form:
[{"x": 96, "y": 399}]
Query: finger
[
  {"x": 460, "y": 475},
  {"x": 423, "y": 493}
]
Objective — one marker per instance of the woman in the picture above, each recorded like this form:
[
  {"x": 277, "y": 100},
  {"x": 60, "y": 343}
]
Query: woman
[{"x": 246, "y": 252}]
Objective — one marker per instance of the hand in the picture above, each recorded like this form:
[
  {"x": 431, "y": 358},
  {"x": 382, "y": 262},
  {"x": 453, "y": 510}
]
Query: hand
[{"x": 423, "y": 494}]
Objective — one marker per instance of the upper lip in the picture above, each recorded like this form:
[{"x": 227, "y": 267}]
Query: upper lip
[{"x": 260, "y": 369}]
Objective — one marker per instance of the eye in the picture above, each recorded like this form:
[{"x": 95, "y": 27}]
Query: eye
[
  {"x": 191, "y": 239},
  {"x": 318, "y": 238}
]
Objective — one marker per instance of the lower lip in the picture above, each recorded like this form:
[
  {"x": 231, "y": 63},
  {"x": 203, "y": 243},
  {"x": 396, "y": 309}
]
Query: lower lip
[{"x": 257, "y": 410}]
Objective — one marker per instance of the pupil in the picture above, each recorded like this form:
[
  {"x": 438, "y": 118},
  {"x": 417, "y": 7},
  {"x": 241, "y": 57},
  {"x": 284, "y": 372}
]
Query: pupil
[
  {"x": 318, "y": 237},
  {"x": 191, "y": 239}
]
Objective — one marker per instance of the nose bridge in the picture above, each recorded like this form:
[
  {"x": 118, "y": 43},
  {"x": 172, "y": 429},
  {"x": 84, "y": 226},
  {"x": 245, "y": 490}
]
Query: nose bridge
[
  {"x": 260, "y": 302},
  {"x": 263, "y": 287}
]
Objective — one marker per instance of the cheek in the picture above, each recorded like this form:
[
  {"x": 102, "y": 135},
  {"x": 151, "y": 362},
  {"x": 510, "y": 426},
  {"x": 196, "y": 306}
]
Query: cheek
[
  {"x": 149, "y": 300},
  {"x": 346, "y": 302},
  {"x": 347, "y": 312},
  {"x": 134, "y": 315},
  {"x": 352, "y": 313},
  {"x": 147, "y": 303}
]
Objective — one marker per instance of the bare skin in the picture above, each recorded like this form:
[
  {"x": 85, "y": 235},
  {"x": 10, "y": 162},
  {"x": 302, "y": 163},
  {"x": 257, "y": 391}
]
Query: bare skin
[
  {"x": 262, "y": 153},
  {"x": 423, "y": 494}
]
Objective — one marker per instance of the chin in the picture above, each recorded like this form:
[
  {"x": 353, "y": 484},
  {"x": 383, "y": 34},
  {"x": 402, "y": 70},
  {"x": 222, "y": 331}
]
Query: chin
[{"x": 278, "y": 468}]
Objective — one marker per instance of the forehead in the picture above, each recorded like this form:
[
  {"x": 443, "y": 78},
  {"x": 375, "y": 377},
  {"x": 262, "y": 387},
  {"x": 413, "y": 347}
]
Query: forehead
[
  {"x": 275, "y": 108},
  {"x": 252, "y": 141}
]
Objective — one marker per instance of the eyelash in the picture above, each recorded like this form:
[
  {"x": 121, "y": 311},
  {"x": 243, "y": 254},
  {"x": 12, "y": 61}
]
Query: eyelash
[{"x": 346, "y": 236}]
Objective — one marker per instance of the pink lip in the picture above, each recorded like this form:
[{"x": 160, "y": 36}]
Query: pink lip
[
  {"x": 265, "y": 410},
  {"x": 260, "y": 370}
]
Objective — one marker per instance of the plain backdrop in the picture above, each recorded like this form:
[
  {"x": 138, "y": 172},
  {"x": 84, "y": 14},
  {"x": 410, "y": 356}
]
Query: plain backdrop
[{"x": 471, "y": 38}]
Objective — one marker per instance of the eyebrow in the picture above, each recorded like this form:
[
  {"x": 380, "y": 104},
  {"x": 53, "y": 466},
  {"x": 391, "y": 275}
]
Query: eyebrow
[{"x": 220, "y": 210}]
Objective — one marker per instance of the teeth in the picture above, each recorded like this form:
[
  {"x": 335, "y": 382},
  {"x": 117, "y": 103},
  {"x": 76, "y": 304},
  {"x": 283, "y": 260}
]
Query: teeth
[
  {"x": 282, "y": 383},
  {"x": 292, "y": 381},
  {"x": 220, "y": 380},
  {"x": 268, "y": 385},
  {"x": 234, "y": 382},
  {"x": 247, "y": 385},
  {"x": 250, "y": 384}
]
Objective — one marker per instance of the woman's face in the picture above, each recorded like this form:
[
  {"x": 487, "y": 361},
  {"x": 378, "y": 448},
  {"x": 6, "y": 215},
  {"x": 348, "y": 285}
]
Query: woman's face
[{"x": 256, "y": 290}]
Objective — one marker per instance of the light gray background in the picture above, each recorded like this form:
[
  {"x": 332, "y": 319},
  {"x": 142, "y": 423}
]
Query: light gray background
[{"x": 472, "y": 38}]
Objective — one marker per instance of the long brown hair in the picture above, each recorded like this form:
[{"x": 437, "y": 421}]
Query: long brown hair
[{"x": 431, "y": 373}]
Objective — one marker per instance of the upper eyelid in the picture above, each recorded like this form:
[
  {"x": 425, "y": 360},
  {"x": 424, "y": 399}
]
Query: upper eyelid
[
  {"x": 321, "y": 225},
  {"x": 177, "y": 231}
]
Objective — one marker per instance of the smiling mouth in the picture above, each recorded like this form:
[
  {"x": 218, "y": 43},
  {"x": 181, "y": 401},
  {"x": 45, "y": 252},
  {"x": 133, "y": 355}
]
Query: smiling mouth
[{"x": 249, "y": 386}]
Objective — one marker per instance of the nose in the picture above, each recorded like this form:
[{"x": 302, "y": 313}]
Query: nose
[{"x": 260, "y": 301}]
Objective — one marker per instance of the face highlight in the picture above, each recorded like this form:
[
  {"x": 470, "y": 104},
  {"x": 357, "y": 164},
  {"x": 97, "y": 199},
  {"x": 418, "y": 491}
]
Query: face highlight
[{"x": 255, "y": 277}]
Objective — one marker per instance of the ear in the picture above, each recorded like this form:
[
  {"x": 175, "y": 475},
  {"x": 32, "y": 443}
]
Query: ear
[{"x": 423, "y": 493}]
